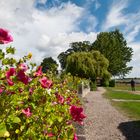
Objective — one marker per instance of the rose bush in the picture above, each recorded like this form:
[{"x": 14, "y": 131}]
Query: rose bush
[{"x": 34, "y": 105}]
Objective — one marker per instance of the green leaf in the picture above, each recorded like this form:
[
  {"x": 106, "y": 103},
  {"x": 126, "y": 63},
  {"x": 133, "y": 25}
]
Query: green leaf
[
  {"x": 1, "y": 55},
  {"x": 60, "y": 119},
  {"x": 5, "y": 61},
  {"x": 3, "y": 131},
  {"x": 10, "y": 50},
  {"x": 16, "y": 120},
  {"x": 22, "y": 127},
  {"x": 13, "y": 119}
]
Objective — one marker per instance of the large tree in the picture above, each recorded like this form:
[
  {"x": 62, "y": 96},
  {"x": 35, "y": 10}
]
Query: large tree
[
  {"x": 74, "y": 47},
  {"x": 87, "y": 65},
  {"x": 114, "y": 47},
  {"x": 49, "y": 64}
]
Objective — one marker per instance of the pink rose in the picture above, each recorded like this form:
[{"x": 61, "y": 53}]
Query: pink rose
[
  {"x": 10, "y": 72},
  {"x": 77, "y": 114},
  {"x": 45, "y": 83},
  {"x": 60, "y": 98},
  {"x": 22, "y": 77},
  {"x": 75, "y": 137},
  {"x": 23, "y": 67},
  {"x": 50, "y": 134},
  {"x": 1, "y": 90},
  {"x": 38, "y": 72},
  {"x": 10, "y": 82},
  {"x": 27, "y": 112},
  {"x": 5, "y": 36}
]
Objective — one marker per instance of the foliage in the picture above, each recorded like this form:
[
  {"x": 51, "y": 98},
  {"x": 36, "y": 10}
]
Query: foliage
[
  {"x": 93, "y": 86},
  {"x": 112, "y": 83},
  {"x": 74, "y": 47},
  {"x": 32, "y": 106},
  {"x": 87, "y": 65},
  {"x": 114, "y": 47},
  {"x": 105, "y": 82},
  {"x": 49, "y": 64}
]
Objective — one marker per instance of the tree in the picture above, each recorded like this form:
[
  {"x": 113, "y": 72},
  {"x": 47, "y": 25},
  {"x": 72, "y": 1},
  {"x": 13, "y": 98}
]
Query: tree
[
  {"x": 49, "y": 64},
  {"x": 74, "y": 47},
  {"x": 114, "y": 47},
  {"x": 87, "y": 65}
]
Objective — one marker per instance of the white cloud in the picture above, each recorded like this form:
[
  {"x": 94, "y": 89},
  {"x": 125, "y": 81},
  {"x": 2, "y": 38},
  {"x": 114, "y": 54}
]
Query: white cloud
[
  {"x": 132, "y": 34},
  {"x": 135, "y": 60},
  {"x": 133, "y": 26},
  {"x": 42, "y": 1},
  {"x": 44, "y": 33},
  {"x": 115, "y": 15}
]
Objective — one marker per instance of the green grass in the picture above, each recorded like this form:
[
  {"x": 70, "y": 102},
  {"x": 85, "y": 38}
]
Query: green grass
[
  {"x": 130, "y": 109},
  {"x": 113, "y": 94}
]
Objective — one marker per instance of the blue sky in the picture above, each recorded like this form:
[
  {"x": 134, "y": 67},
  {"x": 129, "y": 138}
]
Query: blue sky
[{"x": 46, "y": 27}]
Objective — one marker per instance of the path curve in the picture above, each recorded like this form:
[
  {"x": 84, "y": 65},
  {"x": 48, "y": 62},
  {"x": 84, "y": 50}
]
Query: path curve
[{"x": 102, "y": 120}]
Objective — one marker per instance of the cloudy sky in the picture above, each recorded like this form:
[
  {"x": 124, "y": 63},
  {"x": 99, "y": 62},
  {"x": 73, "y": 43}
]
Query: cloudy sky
[{"x": 46, "y": 27}]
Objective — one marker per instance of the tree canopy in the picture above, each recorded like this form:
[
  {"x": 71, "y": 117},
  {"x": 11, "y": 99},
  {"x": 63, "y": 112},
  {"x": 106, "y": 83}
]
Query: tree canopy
[
  {"x": 74, "y": 47},
  {"x": 87, "y": 65},
  {"x": 114, "y": 47},
  {"x": 49, "y": 64}
]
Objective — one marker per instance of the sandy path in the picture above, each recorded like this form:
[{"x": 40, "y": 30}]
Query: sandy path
[{"x": 103, "y": 121}]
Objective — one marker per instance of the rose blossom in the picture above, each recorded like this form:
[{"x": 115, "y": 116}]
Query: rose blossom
[
  {"x": 27, "y": 112},
  {"x": 22, "y": 77},
  {"x": 77, "y": 114},
  {"x": 1, "y": 90},
  {"x": 10, "y": 72},
  {"x": 5, "y": 36},
  {"x": 23, "y": 67},
  {"x": 10, "y": 82},
  {"x": 38, "y": 72},
  {"x": 60, "y": 98},
  {"x": 45, "y": 83},
  {"x": 75, "y": 137}
]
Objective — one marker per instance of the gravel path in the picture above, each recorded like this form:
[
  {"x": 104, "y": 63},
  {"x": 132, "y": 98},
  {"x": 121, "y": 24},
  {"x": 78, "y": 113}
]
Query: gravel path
[{"x": 104, "y": 122}]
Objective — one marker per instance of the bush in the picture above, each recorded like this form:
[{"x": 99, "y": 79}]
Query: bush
[
  {"x": 34, "y": 105},
  {"x": 105, "y": 83},
  {"x": 112, "y": 83},
  {"x": 93, "y": 86}
]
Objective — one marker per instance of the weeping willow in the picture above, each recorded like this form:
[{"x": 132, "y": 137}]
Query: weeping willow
[{"x": 87, "y": 64}]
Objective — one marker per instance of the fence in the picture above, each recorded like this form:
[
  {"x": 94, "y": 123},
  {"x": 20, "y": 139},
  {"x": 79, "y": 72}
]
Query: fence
[{"x": 83, "y": 90}]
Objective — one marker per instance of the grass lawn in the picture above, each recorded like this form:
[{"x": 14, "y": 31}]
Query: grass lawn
[
  {"x": 114, "y": 94},
  {"x": 131, "y": 109}
]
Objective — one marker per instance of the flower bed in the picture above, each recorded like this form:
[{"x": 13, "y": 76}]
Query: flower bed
[{"x": 34, "y": 105}]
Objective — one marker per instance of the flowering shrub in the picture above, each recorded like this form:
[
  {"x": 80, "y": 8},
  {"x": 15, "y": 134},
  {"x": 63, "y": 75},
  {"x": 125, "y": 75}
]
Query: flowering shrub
[{"x": 34, "y": 105}]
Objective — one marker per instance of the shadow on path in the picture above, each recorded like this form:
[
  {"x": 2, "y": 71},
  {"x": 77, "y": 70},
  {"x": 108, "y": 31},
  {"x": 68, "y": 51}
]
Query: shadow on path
[{"x": 131, "y": 130}]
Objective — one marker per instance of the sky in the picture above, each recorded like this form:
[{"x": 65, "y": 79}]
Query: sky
[{"x": 47, "y": 27}]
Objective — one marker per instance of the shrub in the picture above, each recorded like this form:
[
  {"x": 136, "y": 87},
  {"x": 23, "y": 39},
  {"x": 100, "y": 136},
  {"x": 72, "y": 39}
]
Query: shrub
[
  {"x": 34, "y": 105},
  {"x": 105, "y": 83},
  {"x": 112, "y": 83},
  {"x": 93, "y": 86}
]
